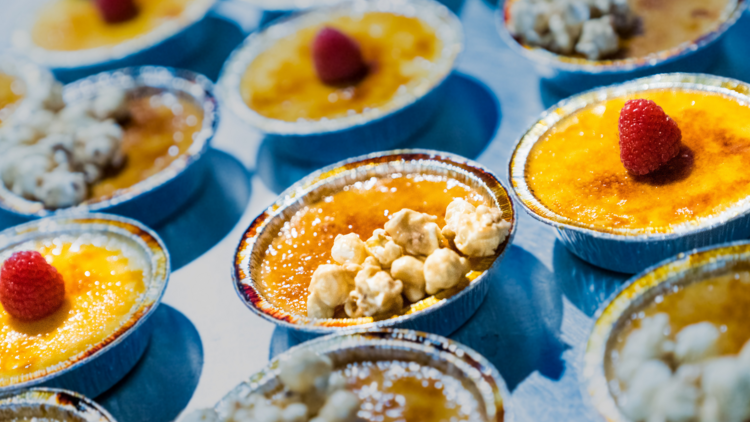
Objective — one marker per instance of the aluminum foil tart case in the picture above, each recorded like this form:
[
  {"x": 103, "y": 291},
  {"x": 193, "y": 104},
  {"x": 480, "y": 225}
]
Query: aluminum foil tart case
[
  {"x": 627, "y": 250},
  {"x": 376, "y": 129},
  {"x": 572, "y": 75},
  {"x": 441, "y": 314},
  {"x": 291, "y": 5},
  {"x": 168, "y": 45},
  {"x": 96, "y": 370},
  {"x": 640, "y": 292},
  {"x": 155, "y": 198},
  {"x": 455, "y": 359},
  {"x": 45, "y": 403}
]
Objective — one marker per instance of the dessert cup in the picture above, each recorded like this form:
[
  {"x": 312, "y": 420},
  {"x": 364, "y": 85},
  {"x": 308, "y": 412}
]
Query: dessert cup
[
  {"x": 622, "y": 249},
  {"x": 52, "y": 403},
  {"x": 154, "y": 198},
  {"x": 374, "y": 129},
  {"x": 441, "y": 315},
  {"x": 644, "y": 289},
  {"x": 572, "y": 75},
  {"x": 101, "y": 365}
]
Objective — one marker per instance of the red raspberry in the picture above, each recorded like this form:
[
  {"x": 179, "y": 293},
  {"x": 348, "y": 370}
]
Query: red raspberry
[
  {"x": 30, "y": 288},
  {"x": 117, "y": 11},
  {"x": 338, "y": 59},
  {"x": 648, "y": 137}
]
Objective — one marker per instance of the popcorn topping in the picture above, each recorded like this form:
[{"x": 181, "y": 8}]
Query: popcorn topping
[
  {"x": 404, "y": 260},
  {"x": 55, "y": 152},
  {"x": 682, "y": 380},
  {"x": 592, "y": 28}
]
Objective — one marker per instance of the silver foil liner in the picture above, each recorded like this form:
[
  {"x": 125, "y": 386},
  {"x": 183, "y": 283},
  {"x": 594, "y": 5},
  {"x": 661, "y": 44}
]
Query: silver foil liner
[
  {"x": 628, "y": 250},
  {"x": 641, "y": 291},
  {"x": 454, "y": 359},
  {"x": 166, "y": 44},
  {"x": 374, "y": 129},
  {"x": 291, "y": 5},
  {"x": 44, "y": 403},
  {"x": 98, "y": 368},
  {"x": 442, "y": 315},
  {"x": 572, "y": 74},
  {"x": 152, "y": 199}
]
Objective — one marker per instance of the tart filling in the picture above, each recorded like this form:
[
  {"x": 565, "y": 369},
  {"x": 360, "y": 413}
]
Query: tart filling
[
  {"x": 686, "y": 357},
  {"x": 319, "y": 264},
  {"x": 63, "y": 155},
  {"x": 311, "y": 389},
  {"x": 281, "y": 83},
  {"x": 72, "y": 25},
  {"x": 614, "y": 29},
  {"x": 104, "y": 285},
  {"x": 12, "y": 91},
  {"x": 575, "y": 170}
]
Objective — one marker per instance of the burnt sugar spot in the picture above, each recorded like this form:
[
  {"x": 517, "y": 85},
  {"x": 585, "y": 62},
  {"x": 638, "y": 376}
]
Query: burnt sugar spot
[
  {"x": 677, "y": 169},
  {"x": 607, "y": 184}
]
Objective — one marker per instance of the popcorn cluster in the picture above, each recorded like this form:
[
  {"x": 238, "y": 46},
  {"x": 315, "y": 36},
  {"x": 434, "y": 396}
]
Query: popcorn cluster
[
  {"x": 405, "y": 258},
  {"x": 54, "y": 152},
  {"x": 311, "y": 392},
  {"x": 682, "y": 378},
  {"x": 592, "y": 28}
]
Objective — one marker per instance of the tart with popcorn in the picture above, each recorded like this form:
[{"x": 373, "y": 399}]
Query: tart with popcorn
[
  {"x": 62, "y": 155},
  {"x": 613, "y": 29}
]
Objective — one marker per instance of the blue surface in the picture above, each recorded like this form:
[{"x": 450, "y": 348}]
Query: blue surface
[
  {"x": 536, "y": 317},
  {"x": 163, "y": 381}
]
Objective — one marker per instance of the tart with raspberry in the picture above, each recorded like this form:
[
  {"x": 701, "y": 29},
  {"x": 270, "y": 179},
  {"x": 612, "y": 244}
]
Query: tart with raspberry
[
  {"x": 68, "y": 289},
  {"x": 644, "y": 162}
]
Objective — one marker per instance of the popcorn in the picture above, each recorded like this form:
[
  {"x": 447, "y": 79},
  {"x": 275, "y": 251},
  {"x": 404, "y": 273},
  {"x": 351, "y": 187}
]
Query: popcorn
[
  {"x": 726, "y": 385},
  {"x": 201, "y": 415},
  {"x": 443, "y": 269},
  {"x": 410, "y": 271},
  {"x": 376, "y": 293},
  {"x": 477, "y": 232},
  {"x": 648, "y": 342},
  {"x": 383, "y": 248},
  {"x": 329, "y": 288},
  {"x": 589, "y": 27},
  {"x": 416, "y": 232},
  {"x": 304, "y": 370},
  {"x": 53, "y": 153},
  {"x": 696, "y": 342},
  {"x": 341, "y": 406},
  {"x": 348, "y": 249}
]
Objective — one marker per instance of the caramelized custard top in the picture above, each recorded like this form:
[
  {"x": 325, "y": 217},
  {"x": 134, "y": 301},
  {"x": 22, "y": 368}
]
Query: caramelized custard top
[
  {"x": 575, "y": 170},
  {"x": 669, "y": 23},
  {"x": 305, "y": 241},
  {"x": 161, "y": 129},
  {"x": 394, "y": 391},
  {"x": 281, "y": 83},
  {"x": 102, "y": 287},
  {"x": 12, "y": 91},
  {"x": 71, "y": 25}
]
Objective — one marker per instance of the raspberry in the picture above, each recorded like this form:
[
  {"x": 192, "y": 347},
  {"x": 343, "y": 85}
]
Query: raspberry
[
  {"x": 648, "y": 137},
  {"x": 30, "y": 288},
  {"x": 116, "y": 11},
  {"x": 338, "y": 59}
]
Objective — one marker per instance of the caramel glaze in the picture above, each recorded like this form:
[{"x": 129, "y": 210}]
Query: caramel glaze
[
  {"x": 281, "y": 83},
  {"x": 72, "y": 25},
  {"x": 723, "y": 300},
  {"x": 161, "y": 129},
  {"x": 575, "y": 168},
  {"x": 396, "y": 391},
  {"x": 665, "y": 24},
  {"x": 305, "y": 241},
  {"x": 101, "y": 289}
]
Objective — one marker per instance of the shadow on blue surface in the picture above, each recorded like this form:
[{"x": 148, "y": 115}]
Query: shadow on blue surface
[
  {"x": 225, "y": 36},
  {"x": 586, "y": 286},
  {"x": 517, "y": 328},
  {"x": 211, "y": 213},
  {"x": 163, "y": 381},
  {"x": 464, "y": 125}
]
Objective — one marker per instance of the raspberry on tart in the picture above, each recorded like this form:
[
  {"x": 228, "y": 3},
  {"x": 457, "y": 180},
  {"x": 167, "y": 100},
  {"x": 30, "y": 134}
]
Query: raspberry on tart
[
  {"x": 338, "y": 58},
  {"x": 30, "y": 288},
  {"x": 648, "y": 137},
  {"x": 117, "y": 11}
]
